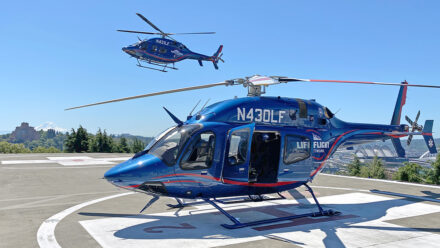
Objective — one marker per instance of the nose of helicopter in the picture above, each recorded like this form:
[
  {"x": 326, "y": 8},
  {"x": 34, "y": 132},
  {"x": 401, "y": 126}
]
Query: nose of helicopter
[
  {"x": 132, "y": 172},
  {"x": 128, "y": 49}
]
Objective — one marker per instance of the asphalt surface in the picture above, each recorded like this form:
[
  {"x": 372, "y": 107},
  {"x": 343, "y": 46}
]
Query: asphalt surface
[{"x": 36, "y": 187}]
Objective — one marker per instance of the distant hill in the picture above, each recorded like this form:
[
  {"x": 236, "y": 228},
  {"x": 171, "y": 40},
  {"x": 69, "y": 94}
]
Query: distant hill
[
  {"x": 50, "y": 125},
  {"x": 4, "y": 132},
  {"x": 146, "y": 140}
]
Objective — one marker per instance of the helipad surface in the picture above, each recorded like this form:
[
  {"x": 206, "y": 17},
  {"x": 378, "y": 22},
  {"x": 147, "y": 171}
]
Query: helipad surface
[{"x": 64, "y": 203}]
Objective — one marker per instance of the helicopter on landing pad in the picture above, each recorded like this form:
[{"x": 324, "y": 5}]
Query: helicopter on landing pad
[
  {"x": 165, "y": 51},
  {"x": 252, "y": 146}
]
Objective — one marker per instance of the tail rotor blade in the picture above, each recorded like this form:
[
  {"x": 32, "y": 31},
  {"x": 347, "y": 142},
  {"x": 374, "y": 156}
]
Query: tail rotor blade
[
  {"x": 408, "y": 120},
  {"x": 417, "y": 117},
  {"x": 408, "y": 142}
]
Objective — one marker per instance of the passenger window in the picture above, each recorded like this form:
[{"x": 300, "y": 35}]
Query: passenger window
[
  {"x": 154, "y": 48},
  {"x": 162, "y": 50},
  {"x": 199, "y": 153},
  {"x": 296, "y": 148},
  {"x": 238, "y": 146}
]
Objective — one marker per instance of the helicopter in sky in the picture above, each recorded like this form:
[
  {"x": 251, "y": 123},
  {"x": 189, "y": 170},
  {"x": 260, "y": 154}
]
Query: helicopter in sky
[
  {"x": 163, "y": 52},
  {"x": 252, "y": 146}
]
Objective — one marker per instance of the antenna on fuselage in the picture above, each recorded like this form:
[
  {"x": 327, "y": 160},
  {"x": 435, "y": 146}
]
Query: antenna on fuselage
[
  {"x": 190, "y": 113},
  {"x": 204, "y": 105}
]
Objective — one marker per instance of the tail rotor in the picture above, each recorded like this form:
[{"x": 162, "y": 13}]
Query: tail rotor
[{"x": 415, "y": 127}]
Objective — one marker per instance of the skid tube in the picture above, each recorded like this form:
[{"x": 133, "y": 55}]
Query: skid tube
[
  {"x": 238, "y": 224},
  {"x": 250, "y": 198}
]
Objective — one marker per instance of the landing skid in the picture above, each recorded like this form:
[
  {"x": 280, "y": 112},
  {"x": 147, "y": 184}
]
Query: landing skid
[
  {"x": 250, "y": 198},
  {"x": 164, "y": 66},
  {"x": 238, "y": 224}
]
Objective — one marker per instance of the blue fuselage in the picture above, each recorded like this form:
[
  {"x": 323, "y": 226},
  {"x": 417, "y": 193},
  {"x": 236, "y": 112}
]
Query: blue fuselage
[
  {"x": 163, "y": 51},
  {"x": 252, "y": 145}
]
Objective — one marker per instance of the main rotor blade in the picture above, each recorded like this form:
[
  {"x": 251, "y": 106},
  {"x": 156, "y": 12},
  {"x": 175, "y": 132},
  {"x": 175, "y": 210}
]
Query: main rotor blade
[
  {"x": 285, "y": 80},
  {"x": 151, "y": 24},
  {"x": 192, "y": 33},
  {"x": 154, "y": 94},
  {"x": 136, "y": 32}
]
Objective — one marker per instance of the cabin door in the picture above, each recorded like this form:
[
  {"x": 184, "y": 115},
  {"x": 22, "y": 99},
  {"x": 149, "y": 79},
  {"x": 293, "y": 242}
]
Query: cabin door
[
  {"x": 265, "y": 157},
  {"x": 237, "y": 157}
]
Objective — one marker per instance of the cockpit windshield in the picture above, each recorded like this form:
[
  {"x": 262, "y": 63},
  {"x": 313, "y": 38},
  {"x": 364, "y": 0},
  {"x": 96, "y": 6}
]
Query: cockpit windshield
[
  {"x": 169, "y": 145},
  {"x": 158, "y": 137}
]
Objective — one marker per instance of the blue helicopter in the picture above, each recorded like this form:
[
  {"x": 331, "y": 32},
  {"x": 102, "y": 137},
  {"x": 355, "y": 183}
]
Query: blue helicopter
[
  {"x": 165, "y": 51},
  {"x": 252, "y": 146}
]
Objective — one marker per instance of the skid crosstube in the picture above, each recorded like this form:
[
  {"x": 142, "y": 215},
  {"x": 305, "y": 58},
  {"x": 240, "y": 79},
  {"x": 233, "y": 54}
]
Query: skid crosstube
[{"x": 238, "y": 224}]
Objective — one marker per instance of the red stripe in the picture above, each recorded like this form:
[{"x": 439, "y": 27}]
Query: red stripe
[
  {"x": 228, "y": 181},
  {"x": 181, "y": 181},
  {"x": 320, "y": 158},
  {"x": 158, "y": 57},
  {"x": 396, "y": 136},
  {"x": 427, "y": 134},
  {"x": 329, "y": 152},
  {"x": 311, "y": 130},
  {"x": 130, "y": 186},
  {"x": 258, "y": 184}
]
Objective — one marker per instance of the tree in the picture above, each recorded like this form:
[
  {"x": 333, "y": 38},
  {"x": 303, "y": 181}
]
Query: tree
[
  {"x": 433, "y": 176},
  {"x": 354, "y": 168},
  {"x": 77, "y": 141},
  {"x": 123, "y": 146},
  {"x": 6, "y": 147},
  {"x": 410, "y": 172},
  {"x": 377, "y": 170},
  {"x": 374, "y": 169},
  {"x": 101, "y": 142},
  {"x": 137, "y": 146},
  {"x": 42, "y": 149}
]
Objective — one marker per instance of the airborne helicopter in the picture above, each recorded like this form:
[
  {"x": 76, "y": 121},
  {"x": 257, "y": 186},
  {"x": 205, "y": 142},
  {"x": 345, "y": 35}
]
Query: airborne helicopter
[
  {"x": 165, "y": 51},
  {"x": 252, "y": 146}
]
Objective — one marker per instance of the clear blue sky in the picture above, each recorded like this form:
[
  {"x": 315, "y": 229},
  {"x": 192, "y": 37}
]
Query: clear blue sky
[{"x": 58, "y": 54}]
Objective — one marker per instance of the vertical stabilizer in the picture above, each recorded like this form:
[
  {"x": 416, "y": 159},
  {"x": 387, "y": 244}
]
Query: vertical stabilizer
[
  {"x": 427, "y": 136},
  {"x": 395, "y": 120}
]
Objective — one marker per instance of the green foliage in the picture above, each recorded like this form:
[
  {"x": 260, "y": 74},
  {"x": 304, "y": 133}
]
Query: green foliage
[
  {"x": 433, "y": 175},
  {"x": 137, "y": 146},
  {"x": 122, "y": 146},
  {"x": 42, "y": 149},
  {"x": 373, "y": 169},
  {"x": 101, "y": 142},
  {"x": 377, "y": 170},
  {"x": 6, "y": 147},
  {"x": 77, "y": 141},
  {"x": 410, "y": 172},
  {"x": 354, "y": 168}
]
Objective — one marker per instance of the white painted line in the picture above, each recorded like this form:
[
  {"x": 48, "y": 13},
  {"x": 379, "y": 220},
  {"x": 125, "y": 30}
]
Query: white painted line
[
  {"x": 384, "y": 181},
  {"x": 49, "y": 196},
  {"x": 46, "y": 232},
  {"x": 405, "y": 195},
  {"x": 66, "y": 167},
  {"x": 115, "y": 159},
  {"x": 27, "y": 162},
  {"x": 367, "y": 227}
]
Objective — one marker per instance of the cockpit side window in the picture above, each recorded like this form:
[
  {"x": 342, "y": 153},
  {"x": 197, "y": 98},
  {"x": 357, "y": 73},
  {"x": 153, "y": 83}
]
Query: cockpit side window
[
  {"x": 169, "y": 147},
  {"x": 296, "y": 148},
  {"x": 238, "y": 146},
  {"x": 199, "y": 153}
]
